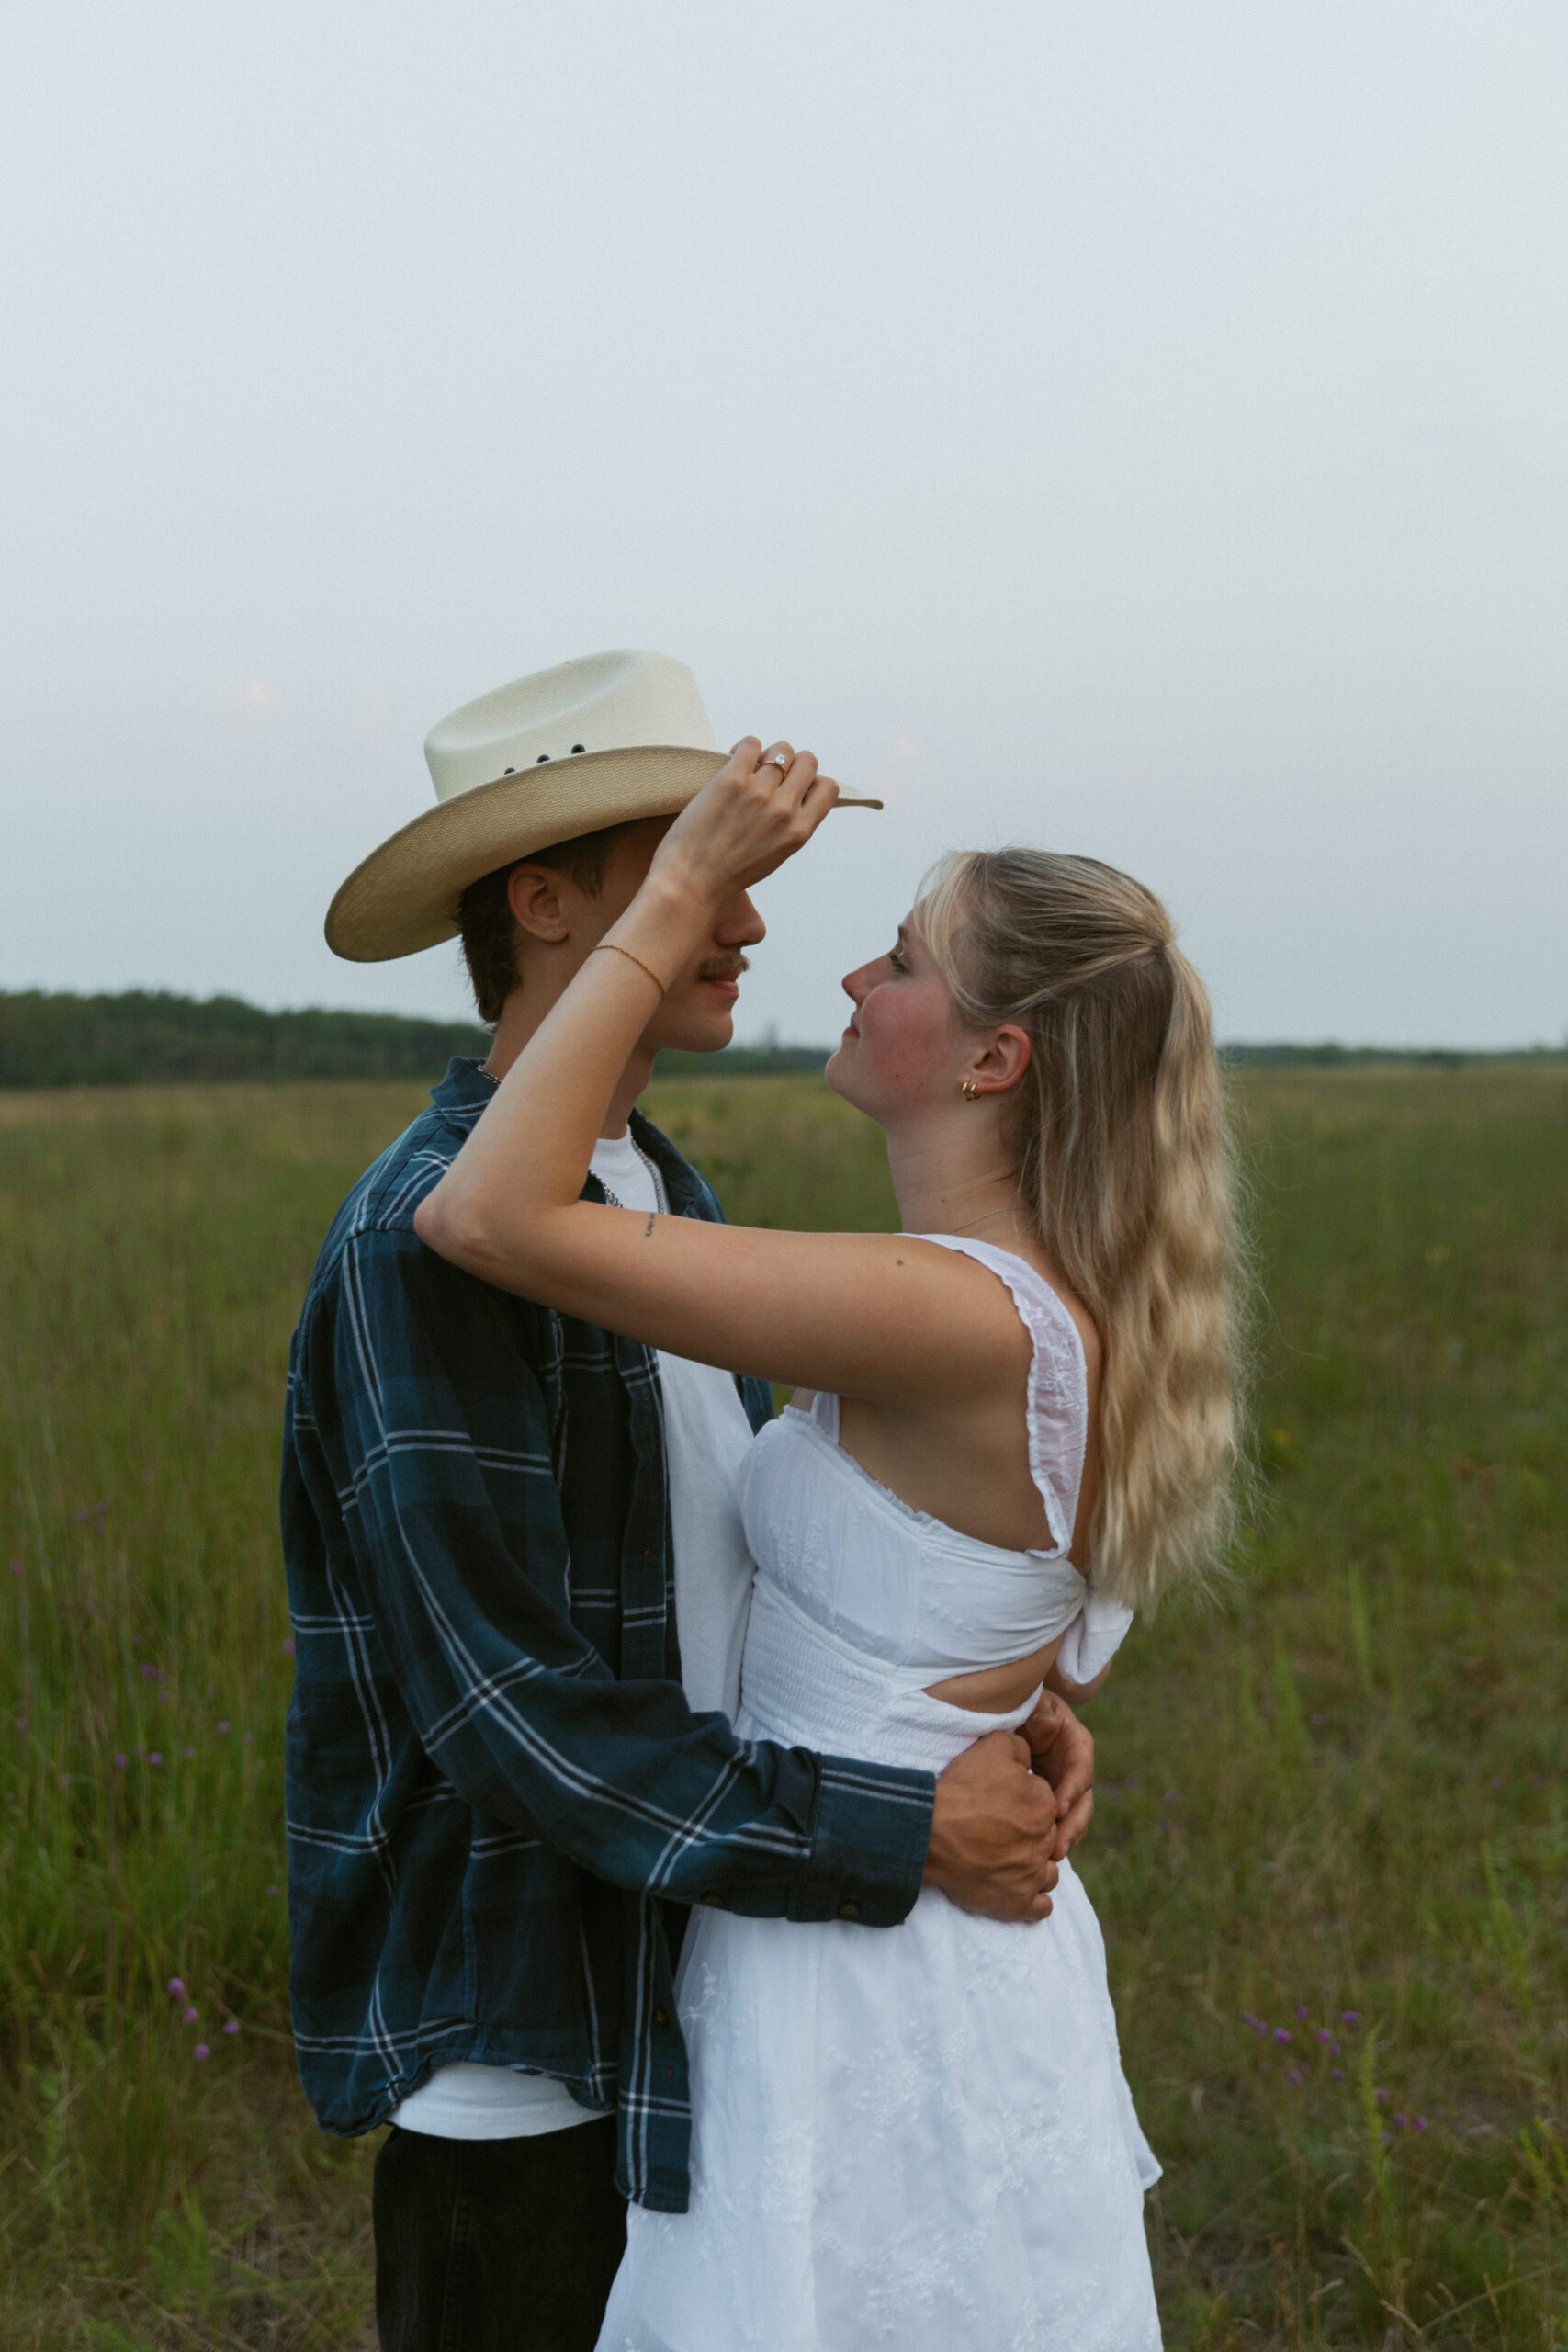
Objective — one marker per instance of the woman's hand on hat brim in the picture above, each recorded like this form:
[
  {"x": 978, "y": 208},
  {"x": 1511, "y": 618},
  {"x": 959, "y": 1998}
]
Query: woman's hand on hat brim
[{"x": 761, "y": 809}]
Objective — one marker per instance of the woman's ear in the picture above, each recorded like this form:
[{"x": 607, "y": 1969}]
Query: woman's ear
[
  {"x": 1006, "y": 1055},
  {"x": 536, "y": 899}
]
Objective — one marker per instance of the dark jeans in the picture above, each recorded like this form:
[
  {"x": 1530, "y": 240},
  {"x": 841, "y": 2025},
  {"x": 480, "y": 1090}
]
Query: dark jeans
[{"x": 496, "y": 2245}]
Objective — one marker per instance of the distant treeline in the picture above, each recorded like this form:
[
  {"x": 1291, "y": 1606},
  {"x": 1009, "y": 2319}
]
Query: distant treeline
[
  {"x": 743, "y": 1061},
  {"x": 143, "y": 1038},
  {"x": 1332, "y": 1056}
]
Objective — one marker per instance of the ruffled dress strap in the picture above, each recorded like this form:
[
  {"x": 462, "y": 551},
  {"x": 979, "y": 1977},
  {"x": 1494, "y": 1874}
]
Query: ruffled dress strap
[
  {"x": 1058, "y": 1383},
  {"x": 1059, "y": 1437}
]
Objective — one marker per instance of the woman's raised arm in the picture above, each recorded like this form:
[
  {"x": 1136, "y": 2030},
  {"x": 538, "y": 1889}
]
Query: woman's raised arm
[{"x": 867, "y": 1314}]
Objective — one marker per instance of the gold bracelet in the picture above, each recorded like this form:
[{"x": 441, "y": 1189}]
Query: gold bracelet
[{"x": 610, "y": 945}]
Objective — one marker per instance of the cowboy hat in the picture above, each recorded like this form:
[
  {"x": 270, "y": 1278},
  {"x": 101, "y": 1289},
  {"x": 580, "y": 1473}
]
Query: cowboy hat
[{"x": 603, "y": 741}]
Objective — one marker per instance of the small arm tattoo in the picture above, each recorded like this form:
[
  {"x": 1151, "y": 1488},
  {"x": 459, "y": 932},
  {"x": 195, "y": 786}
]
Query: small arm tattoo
[{"x": 648, "y": 1228}]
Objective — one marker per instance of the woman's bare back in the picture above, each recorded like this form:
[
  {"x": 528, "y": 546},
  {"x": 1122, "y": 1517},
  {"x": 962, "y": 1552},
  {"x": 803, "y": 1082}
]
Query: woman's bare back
[{"x": 967, "y": 1463}]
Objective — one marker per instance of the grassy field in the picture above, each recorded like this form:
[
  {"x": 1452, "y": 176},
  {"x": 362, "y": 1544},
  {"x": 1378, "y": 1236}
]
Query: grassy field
[{"x": 1332, "y": 1849}]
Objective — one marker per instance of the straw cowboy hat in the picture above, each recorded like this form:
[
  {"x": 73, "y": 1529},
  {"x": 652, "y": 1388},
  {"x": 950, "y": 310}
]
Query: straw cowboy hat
[{"x": 603, "y": 741}]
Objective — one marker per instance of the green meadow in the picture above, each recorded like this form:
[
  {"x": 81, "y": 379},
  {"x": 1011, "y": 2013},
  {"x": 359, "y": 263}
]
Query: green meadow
[{"x": 1331, "y": 1850}]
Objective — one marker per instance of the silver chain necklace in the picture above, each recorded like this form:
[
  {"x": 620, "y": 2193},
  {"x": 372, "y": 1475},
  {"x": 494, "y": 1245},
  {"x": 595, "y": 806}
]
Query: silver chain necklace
[{"x": 614, "y": 1199}]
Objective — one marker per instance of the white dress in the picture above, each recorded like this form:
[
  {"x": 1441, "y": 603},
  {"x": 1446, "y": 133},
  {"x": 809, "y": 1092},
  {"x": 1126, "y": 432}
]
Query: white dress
[{"x": 918, "y": 2136}]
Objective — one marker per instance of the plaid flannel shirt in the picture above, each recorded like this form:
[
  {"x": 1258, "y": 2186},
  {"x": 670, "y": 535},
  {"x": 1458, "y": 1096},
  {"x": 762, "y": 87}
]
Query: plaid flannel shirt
[{"x": 498, "y": 1802}]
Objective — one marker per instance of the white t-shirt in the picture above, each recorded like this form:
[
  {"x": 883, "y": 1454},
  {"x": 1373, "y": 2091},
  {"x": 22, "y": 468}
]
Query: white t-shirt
[{"x": 705, "y": 1436}]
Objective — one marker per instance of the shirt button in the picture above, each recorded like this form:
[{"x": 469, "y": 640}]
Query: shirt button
[
  {"x": 849, "y": 1910},
  {"x": 661, "y": 2017}
]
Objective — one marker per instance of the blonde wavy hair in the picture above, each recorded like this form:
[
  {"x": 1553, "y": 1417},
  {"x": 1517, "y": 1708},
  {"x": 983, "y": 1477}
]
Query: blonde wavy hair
[{"x": 1126, "y": 1165}]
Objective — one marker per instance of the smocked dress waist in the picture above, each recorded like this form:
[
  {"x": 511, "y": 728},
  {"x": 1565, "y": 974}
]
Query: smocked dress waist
[{"x": 807, "y": 1687}]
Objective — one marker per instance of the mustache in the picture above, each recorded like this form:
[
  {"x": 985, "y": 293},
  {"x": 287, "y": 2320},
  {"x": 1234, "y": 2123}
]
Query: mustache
[{"x": 723, "y": 967}]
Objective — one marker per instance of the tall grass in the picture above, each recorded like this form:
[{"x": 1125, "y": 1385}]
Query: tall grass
[{"x": 1332, "y": 1845}]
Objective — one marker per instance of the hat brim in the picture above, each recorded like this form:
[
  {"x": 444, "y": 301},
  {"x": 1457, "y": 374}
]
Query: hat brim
[{"x": 406, "y": 895}]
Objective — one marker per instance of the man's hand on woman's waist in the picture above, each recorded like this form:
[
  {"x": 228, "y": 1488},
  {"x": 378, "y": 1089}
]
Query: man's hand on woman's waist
[
  {"x": 1062, "y": 1750},
  {"x": 992, "y": 1831}
]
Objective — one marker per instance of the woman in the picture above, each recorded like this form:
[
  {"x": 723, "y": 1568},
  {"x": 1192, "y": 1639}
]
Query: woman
[{"x": 922, "y": 2136}]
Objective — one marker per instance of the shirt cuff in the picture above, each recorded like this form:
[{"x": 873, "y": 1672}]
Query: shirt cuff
[{"x": 869, "y": 1840}]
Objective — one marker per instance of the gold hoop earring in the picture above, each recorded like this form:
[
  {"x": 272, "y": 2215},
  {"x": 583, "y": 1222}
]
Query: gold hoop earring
[{"x": 969, "y": 1090}]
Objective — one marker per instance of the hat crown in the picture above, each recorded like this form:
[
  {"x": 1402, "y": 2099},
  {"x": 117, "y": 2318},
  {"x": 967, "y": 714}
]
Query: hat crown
[{"x": 602, "y": 702}]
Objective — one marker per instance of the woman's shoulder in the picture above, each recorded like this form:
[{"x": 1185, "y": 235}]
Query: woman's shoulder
[{"x": 1040, "y": 1290}]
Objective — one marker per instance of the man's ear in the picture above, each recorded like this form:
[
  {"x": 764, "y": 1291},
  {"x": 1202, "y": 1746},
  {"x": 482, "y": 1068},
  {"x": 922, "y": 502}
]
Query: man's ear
[{"x": 537, "y": 897}]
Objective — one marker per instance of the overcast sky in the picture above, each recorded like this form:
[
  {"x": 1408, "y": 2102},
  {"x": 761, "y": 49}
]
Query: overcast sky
[{"x": 1134, "y": 428}]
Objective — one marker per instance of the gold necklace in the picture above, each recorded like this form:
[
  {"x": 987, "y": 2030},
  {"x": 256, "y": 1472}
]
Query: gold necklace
[{"x": 981, "y": 1220}]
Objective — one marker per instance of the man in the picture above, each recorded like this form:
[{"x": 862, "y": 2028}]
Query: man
[{"x": 519, "y": 1587}]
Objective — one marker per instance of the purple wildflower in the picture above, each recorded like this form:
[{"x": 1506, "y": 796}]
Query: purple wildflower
[
  {"x": 1303, "y": 2015},
  {"x": 154, "y": 1758},
  {"x": 1281, "y": 2033},
  {"x": 176, "y": 1987},
  {"x": 1399, "y": 2122},
  {"x": 1420, "y": 2123},
  {"x": 1349, "y": 2017},
  {"x": 1381, "y": 2097},
  {"x": 122, "y": 1762},
  {"x": 1323, "y": 2035},
  {"x": 223, "y": 1730},
  {"x": 201, "y": 2050},
  {"x": 190, "y": 2017},
  {"x": 1336, "y": 2074},
  {"x": 1294, "y": 2077},
  {"x": 233, "y": 2026}
]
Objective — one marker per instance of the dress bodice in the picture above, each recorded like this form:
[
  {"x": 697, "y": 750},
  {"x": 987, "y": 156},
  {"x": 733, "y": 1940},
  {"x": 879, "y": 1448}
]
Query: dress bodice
[{"x": 856, "y": 1588}]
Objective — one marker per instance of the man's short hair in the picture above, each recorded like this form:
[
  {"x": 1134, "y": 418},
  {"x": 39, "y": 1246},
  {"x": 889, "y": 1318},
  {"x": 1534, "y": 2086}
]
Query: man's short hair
[{"x": 490, "y": 930}]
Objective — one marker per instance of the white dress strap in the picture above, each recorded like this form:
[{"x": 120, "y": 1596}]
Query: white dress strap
[
  {"x": 1058, "y": 1438},
  {"x": 1058, "y": 1383}
]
